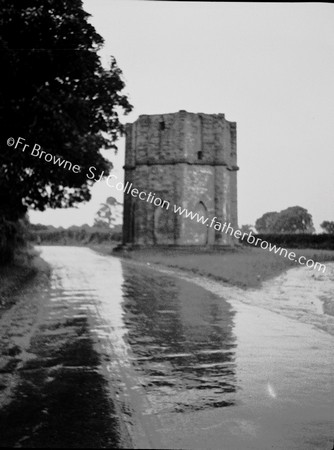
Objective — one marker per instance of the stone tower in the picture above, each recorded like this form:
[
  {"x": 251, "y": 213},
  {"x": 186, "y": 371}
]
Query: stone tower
[{"x": 189, "y": 161}]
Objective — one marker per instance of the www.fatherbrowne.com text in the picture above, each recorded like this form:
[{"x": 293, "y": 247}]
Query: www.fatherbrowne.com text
[{"x": 37, "y": 152}]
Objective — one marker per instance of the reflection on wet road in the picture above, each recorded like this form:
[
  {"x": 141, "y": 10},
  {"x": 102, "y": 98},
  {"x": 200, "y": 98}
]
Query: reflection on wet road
[
  {"x": 182, "y": 341},
  {"x": 123, "y": 353}
]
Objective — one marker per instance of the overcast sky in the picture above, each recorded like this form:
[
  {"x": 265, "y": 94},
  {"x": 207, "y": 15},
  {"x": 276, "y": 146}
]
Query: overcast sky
[{"x": 269, "y": 67}]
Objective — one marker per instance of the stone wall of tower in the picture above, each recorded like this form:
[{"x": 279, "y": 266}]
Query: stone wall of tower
[{"x": 188, "y": 160}]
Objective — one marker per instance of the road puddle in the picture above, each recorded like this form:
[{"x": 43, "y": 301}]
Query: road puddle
[{"x": 184, "y": 366}]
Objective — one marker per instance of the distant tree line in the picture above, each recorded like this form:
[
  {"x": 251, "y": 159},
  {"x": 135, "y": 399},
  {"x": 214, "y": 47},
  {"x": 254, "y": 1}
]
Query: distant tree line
[
  {"x": 74, "y": 235},
  {"x": 292, "y": 228},
  {"x": 104, "y": 230},
  {"x": 327, "y": 226},
  {"x": 292, "y": 220}
]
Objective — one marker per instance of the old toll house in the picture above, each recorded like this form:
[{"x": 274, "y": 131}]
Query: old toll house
[{"x": 181, "y": 160}]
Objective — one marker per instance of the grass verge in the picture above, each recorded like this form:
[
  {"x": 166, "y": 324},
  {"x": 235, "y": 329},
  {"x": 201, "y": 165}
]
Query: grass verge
[
  {"x": 14, "y": 276},
  {"x": 245, "y": 267}
]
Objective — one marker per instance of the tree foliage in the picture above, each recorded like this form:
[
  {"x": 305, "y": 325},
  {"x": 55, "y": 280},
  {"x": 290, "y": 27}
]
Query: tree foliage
[
  {"x": 247, "y": 228},
  {"x": 55, "y": 93},
  {"x": 109, "y": 213},
  {"x": 327, "y": 226},
  {"x": 294, "y": 219},
  {"x": 265, "y": 223}
]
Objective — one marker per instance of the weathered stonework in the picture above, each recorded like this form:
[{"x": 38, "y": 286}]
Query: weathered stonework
[{"x": 190, "y": 160}]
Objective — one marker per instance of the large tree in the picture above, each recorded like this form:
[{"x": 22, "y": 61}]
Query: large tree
[
  {"x": 265, "y": 224},
  {"x": 328, "y": 226},
  {"x": 294, "y": 220},
  {"x": 54, "y": 92}
]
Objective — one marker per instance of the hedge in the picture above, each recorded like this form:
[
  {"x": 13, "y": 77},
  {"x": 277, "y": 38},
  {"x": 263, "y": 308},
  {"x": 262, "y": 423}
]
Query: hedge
[
  {"x": 70, "y": 236},
  {"x": 316, "y": 241}
]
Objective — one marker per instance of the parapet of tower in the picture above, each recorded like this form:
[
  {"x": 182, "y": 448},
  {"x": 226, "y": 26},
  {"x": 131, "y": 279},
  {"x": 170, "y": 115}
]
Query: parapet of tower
[{"x": 189, "y": 160}]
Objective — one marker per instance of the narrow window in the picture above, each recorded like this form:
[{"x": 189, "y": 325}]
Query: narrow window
[
  {"x": 162, "y": 125},
  {"x": 199, "y": 155}
]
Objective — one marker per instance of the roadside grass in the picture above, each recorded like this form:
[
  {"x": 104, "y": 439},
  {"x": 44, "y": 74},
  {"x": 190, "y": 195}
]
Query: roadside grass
[
  {"x": 245, "y": 267},
  {"x": 25, "y": 266}
]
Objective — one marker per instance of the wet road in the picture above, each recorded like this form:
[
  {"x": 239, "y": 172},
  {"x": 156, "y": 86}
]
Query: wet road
[{"x": 121, "y": 355}]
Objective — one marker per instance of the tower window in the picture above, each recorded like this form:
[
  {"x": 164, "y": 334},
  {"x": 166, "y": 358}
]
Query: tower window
[
  {"x": 199, "y": 155},
  {"x": 162, "y": 125}
]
